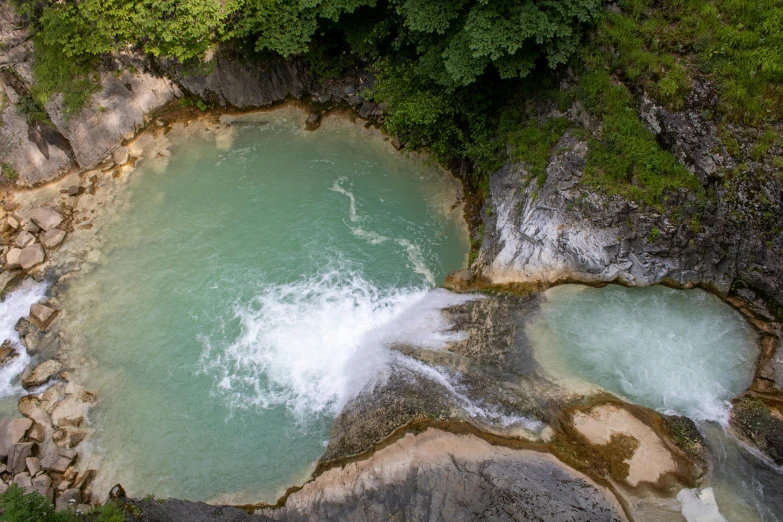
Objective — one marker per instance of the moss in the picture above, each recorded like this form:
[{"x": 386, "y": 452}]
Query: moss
[
  {"x": 755, "y": 420},
  {"x": 9, "y": 172}
]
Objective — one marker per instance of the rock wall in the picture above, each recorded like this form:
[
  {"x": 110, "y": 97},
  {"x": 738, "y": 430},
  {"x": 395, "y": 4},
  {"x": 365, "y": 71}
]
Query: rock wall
[{"x": 560, "y": 231}]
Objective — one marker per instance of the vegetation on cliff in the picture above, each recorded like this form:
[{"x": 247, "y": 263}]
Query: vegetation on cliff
[{"x": 457, "y": 77}]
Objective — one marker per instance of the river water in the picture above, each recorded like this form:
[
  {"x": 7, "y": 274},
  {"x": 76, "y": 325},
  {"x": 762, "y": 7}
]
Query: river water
[
  {"x": 253, "y": 280},
  {"x": 228, "y": 315},
  {"x": 680, "y": 352}
]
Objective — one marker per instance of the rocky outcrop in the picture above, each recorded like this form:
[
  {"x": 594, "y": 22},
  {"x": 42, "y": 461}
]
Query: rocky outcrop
[
  {"x": 436, "y": 476},
  {"x": 441, "y": 476},
  {"x": 113, "y": 114},
  {"x": 233, "y": 80},
  {"x": 559, "y": 231}
]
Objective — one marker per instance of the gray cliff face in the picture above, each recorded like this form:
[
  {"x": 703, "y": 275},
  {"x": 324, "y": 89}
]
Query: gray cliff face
[
  {"x": 234, "y": 81},
  {"x": 562, "y": 232}
]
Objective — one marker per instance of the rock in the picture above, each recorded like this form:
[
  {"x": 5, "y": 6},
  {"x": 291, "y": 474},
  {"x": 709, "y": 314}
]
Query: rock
[
  {"x": 397, "y": 144},
  {"x": 13, "y": 222},
  {"x": 467, "y": 475},
  {"x": 7, "y": 353},
  {"x": 75, "y": 190},
  {"x": 313, "y": 121},
  {"x": 46, "y": 218},
  {"x": 68, "y": 499},
  {"x": 459, "y": 279},
  {"x": 52, "y": 238},
  {"x": 12, "y": 259},
  {"x": 58, "y": 459},
  {"x": 31, "y": 256},
  {"x": 17, "y": 456},
  {"x": 23, "y": 480},
  {"x": 27, "y": 403},
  {"x": 42, "y": 374},
  {"x": 51, "y": 396},
  {"x": 121, "y": 156},
  {"x": 37, "y": 433},
  {"x": 70, "y": 412},
  {"x": 23, "y": 239},
  {"x": 112, "y": 115},
  {"x": 41, "y": 315},
  {"x": 367, "y": 109},
  {"x": 11, "y": 432},
  {"x": 33, "y": 466},
  {"x": 43, "y": 480},
  {"x": 3, "y": 487},
  {"x": 240, "y": 82},
  {"x": 46, "y": 492},
  {"x": 83, "y": 479}
]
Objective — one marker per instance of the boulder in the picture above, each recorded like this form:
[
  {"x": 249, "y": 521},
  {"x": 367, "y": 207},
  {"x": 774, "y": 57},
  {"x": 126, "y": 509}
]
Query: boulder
[
  {"x": 58, "y": 459},
  {"x": 33, "y": 466},
  {"x": 52, "y": 238},
  {"x": 41, "y": 315},
  {"x": 31, "y": 256},
  {"x": 11, "y": 432},
  {"x": 69, "y": 499},
  {"x": 42, "y": 480},
  {"x": 17, "y": 456},
  {"x": 27, "y": 403},
  {"x": 121, "y": 156},
  {"x": 23, "y": 480},
  {"x": 12, "y": 259},
  {"x": 7, "y": 353},
  {"x": 13, "y": 222},
  {"x": 46, "y": 492},
  {"x": 42, "y": 374},
  {"x": 313, "y": 121},
  {"x": 23, "y": 239},
  {"x": 46, "y": 218},
  {"x": 75, "y": 190},
  {"x": 52, "y": 396},
  {"x": 37, "y": 432},
  {"x": 367, "y": 109},
  {"x": 70, "y": 412}
]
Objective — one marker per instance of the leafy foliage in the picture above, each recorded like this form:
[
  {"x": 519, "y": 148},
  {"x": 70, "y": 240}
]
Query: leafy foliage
[{"x": 18, "y": 506}]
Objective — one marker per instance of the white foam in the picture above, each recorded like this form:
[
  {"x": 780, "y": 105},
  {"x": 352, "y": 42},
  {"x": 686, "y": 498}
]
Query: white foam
[
  {"x": 15, "y": 306},
  {"x": 337, "y": 187},
  {"x": 313, "y": 344},
  {"x": 699, "y": 506},
  {"x": 680, "y": 352}
]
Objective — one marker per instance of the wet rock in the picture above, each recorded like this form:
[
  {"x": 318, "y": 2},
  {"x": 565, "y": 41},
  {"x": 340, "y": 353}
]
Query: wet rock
[
  {"x": 31, "y": 256},
  {"x": 42, "y": 374},
  {"x": 121, "y": 156},
  {"x": 46, "y": 218},
  {"x": 41, "y": 315},
  {"x": 75, "y": 190},
  {"x": 755, "y": 421},
  {"x": 7, "y": 353},
  {"x": 459, "y": 279},
  {"x": 17, "y": 456},
  {"x": 52, "y": 238},
  {"x": 470, "y": 479},
  {"x": 12, "y": 259},
  {"x": 51, "y": 396},
  {"x": 11, "y": 432},
  {"x": 27, "y": 403},
  {"x": 23, "y": 239},
  {"x": 70, "y": 411},
  {"x": 313, "y": 121}
]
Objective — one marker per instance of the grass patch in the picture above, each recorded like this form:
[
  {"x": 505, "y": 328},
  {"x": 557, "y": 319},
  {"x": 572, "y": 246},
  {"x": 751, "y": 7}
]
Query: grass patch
[
  {"x": 628, "y": 161},
  {"x": 534, "y": 142}
]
